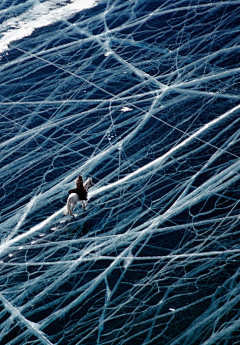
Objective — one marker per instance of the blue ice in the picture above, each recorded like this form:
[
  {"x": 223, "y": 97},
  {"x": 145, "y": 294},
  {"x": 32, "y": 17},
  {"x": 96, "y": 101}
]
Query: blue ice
[{"x": 142, "y": 96}]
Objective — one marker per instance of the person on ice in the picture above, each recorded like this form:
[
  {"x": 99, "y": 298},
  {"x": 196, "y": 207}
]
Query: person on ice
[
  {"x": 79, "y": 179},
  {"x": 81, "y": 192}
]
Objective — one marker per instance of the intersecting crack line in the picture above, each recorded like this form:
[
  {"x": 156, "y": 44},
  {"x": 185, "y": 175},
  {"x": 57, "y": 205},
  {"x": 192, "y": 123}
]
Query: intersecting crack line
[{"x": 32, "y": 327}]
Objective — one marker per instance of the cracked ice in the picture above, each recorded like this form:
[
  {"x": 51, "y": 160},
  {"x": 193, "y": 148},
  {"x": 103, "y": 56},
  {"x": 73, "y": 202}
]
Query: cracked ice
[{"x": 142, "y": 96}]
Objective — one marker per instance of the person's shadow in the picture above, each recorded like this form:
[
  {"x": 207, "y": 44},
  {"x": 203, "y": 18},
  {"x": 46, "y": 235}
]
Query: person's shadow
[{"x": 76, "y": 230}]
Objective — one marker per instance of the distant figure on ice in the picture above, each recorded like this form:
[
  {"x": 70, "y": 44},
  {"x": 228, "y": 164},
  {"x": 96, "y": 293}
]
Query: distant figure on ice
[
  {"x": 79, "y": 179},
  {"x": 78, "y": 194}
]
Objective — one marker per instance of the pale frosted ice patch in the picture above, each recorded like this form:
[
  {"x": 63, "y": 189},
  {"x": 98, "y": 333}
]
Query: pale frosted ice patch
[
  {"x": 108, "y": 53},
  {"x": 125, "y": 109},
  {"x": 40, "y": 15}
]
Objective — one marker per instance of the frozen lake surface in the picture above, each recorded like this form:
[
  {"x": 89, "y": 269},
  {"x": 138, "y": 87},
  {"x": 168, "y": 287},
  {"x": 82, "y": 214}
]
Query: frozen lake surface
[{"x": 142, "y": 96}]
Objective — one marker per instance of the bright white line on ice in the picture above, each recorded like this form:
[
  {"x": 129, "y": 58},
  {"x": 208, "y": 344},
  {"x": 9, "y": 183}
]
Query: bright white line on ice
[{"x": 40, "y": 15}]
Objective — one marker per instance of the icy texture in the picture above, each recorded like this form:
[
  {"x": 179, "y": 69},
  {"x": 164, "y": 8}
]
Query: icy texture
[{"x": 143, "y": 96}]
